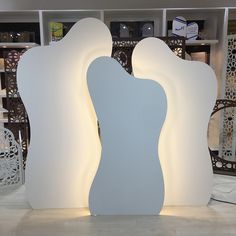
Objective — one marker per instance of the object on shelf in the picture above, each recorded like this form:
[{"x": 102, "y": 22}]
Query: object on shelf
[
  {"x": 202, "y": 33},
  {"x": 124, "y": 31},
  {"x": 18, "y": 36},
  {"x": 24, "y": 36},
  {"x": 132, "y": 29},
  {"x": 179, "y": 26},
  {"x": 200, "y": 56},
  {"x": 147, "y": 30},
  {"x": 56, "y": 31},
  {"x": 20, "y": 32},
  {"x": 192, "y": 31},
  {"x": 5, "y": 37},
  {"x": 199, "y": 52},
  {"x": 2, "y": 66},
  {"x": 231, "y": 27}
]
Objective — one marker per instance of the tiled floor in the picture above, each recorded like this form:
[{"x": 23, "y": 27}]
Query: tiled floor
[{"x": 16, "y": 218}]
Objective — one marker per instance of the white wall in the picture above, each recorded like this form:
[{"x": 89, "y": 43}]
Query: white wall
[{"x": 108, "y": 4}]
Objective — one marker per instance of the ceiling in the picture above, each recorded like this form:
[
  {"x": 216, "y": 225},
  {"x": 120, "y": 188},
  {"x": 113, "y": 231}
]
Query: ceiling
[{"x": 110, "y": 4}]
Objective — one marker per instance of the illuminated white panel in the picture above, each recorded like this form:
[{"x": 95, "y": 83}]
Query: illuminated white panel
[
  {"x": 64, "y": 148},
  {"x": 191, "y": 89}
]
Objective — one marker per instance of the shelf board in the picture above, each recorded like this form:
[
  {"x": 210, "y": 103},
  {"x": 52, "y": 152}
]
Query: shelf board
[
  {"x": 3, "y": 120},
  {"x": 3, "y": 110},
  {"x": 201, "y": 42},
  {"x": 18, "y": 45}
]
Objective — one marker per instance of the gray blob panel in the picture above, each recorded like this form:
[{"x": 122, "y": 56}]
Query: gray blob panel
[{"x": 131, "y": 113}]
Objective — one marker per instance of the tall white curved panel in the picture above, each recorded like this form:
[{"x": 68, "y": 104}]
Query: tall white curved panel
[
  {"x": 64, "y": 149},
  {"x": 191, "y": 90},
  {"x": 131, "y": 113}
]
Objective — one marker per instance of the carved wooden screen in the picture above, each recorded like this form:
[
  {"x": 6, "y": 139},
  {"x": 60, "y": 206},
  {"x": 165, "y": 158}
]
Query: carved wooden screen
[
  {"x": 17, "y": 116},
  {"x": 224, "y": 159},
  {"x": 220, "y": 164},
  {"x": 123, "y": 48}
]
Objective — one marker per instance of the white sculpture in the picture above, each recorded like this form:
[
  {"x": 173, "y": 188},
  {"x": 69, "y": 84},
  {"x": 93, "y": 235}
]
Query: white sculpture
[
  {"x": 191, "y": 90},
  {"x": 131, "y": 113},
  {"x": 64, "y": 150}
]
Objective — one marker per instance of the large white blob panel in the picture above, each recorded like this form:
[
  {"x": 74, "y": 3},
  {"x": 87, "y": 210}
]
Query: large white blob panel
[
  {"x": 131, "y": 113},
  {"x": 191, "y": 89},
  {"x": 65, "y": 149}
]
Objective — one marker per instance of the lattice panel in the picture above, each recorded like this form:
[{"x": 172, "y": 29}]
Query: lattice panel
[
  {"x": 220, "y": 164},
  {"x": 17, "y": 116},
  {"x": 16, "y": 110},
  {"x": 122, "y": 52},
  {"x": 11, "y": 171},
  {"x": 11, "y": 85},
  {"x": 123, "y": 49},
  {"x": 24, "y": 132},
  {"x": 227, "y": 137},
  {"x": 11, "y": 60},
  {"x": 176, "y": 44}
]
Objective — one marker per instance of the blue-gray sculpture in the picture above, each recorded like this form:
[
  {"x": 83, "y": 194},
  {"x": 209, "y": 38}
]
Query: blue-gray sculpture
[{"x": 131, "y": 113}]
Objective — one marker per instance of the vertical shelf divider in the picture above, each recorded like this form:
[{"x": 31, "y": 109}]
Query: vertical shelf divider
[
  {"x": 164, "y": 23},
  {"x": 41, "y": 25}
]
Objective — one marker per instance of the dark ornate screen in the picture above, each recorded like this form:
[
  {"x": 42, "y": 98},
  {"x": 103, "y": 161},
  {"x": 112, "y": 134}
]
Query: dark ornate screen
[
  {"x": 219, "y": 163},
  {"x": 17, "y": 116},
  {"x": 123, "y": 49}
]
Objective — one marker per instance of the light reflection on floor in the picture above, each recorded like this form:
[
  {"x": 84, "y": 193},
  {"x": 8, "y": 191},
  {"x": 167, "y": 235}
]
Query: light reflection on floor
[{"x": 17, "y": 219}]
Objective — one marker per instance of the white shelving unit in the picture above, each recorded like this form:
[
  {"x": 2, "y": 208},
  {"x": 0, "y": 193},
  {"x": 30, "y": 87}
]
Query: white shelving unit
[{"x": 215, "y": 25}]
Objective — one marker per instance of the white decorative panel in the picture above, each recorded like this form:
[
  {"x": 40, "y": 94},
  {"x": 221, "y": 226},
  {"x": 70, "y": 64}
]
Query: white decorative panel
[
  {"x": 65, "y": 148},
  {"x": 131, "y": 113},
  {"x": 227, "y": 134},
  {"x": 191, "y": 89},
  {"x": 11, "y": 162}
]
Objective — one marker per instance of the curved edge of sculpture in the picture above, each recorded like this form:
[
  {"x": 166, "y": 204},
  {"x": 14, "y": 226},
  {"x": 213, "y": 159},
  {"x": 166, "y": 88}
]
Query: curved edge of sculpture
[
  {"x": 191, "y": 90},
  {"x": 131, "y": 113},
  {"x": 65, "y": 148}
]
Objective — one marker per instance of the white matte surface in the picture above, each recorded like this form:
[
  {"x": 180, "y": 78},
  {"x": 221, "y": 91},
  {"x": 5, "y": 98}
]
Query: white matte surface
[
  {"x": 224, "y": 188},
  {"x": 131, "y": 113},
  {"x": 65, "y": 149},
  {"x": 191, "y": 89}
]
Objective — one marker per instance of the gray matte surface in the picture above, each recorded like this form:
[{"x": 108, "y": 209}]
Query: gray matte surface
[{"x": 131, "y": 113}]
